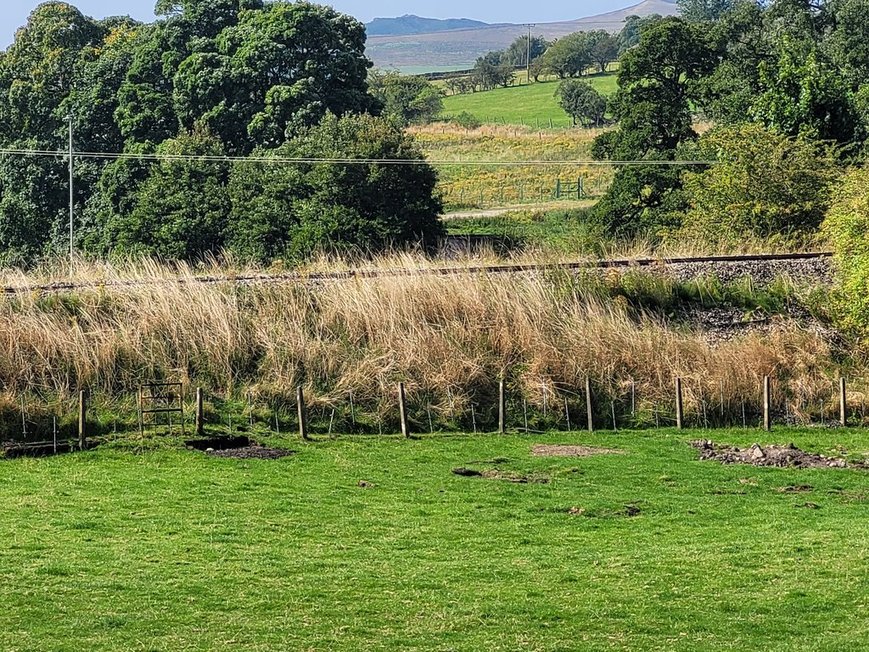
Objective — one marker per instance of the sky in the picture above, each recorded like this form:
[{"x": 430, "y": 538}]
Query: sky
[{"x": 13, "y": 13}]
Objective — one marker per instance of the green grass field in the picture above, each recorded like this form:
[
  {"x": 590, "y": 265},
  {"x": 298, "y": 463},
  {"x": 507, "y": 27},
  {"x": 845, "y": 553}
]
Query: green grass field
[
  {"x": 173, "y": 550},
  {"x": 533, "y": 105}
]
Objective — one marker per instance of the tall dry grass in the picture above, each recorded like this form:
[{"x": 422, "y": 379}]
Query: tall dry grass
[{"x": 450, "y": 339}]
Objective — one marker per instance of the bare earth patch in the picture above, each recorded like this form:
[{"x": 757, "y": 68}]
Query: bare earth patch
[
  {"x": 545, "y": 450},
  {"x": 252, "y": 453},
  {"x": 495, "y": 474},
  {"x": 772, "y": 456}
]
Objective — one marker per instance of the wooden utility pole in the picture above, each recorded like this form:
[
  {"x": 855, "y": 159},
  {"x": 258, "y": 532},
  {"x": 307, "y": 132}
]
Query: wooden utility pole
[
  {"x": 402, "y": 409},
  {"x": 843, "y": 402},
  {"x": 502, "y": 408},
  {"x": 528, "y": 56},
  {"x": 82, "y": 419},
  {"x": 303, "y": 414},
  {"x": 200, "y": 420}
]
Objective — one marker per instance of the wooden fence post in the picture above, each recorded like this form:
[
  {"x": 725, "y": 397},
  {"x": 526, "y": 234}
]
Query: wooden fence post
[
  {"x": 200, "y": 417},
  {"x": 589, "y": 408},
  {"x": 767, "y": 403},
  {"x": 502, "y": 408},
  {"x": 680, "y": 411},
  {"x": 82, "y": 419},
  {"x": 843, "y": 402},
  {"x": 303, "y": 414},
  {"x": 402, "y": 409}
]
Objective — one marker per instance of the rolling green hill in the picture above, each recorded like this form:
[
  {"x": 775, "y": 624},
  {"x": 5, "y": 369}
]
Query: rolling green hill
[{"x": 533, "y": 105}]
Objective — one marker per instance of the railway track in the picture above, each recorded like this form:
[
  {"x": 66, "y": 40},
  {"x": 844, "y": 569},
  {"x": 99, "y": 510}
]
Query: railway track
[{"x": 296, "y": 277}]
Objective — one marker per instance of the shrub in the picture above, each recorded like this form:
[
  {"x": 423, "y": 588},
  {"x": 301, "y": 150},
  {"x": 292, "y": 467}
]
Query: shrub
[
  {"x": 846, "y": 226},
  {"x": 764, "y": 185},
  {"x": 468, "y": 121}
]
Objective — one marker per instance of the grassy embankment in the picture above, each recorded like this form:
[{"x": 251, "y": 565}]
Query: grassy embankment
[
  {"x": 648, "y": 550},
  {"x": 450, "y": 339},
  {"x": 529, "y": 105}
]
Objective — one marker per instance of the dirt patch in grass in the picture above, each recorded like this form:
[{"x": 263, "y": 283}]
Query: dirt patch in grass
[
  {"x": 545, "y": 450},
  {"x": 508, "y": 476},
  {"x": 241, "y": 448},
  {"x": 626, "y": 511},
  {"x": 773, "y": 456}
]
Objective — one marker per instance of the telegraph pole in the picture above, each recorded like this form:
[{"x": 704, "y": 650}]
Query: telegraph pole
[
  {"x": 528, "y": 56},
  {"x": 71, "y": 197}
]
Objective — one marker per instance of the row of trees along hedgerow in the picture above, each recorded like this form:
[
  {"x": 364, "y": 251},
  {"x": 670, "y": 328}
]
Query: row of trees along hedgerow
[
  {"x": 243, "y": 78},
  {"x": 784, "y": 88}
]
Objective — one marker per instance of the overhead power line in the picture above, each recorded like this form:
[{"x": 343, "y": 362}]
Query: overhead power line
[{"x": 283, "y": 160}]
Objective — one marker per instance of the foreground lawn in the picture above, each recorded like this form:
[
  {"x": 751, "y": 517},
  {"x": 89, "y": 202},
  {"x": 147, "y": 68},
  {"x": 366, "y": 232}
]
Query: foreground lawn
[
  {"x": 533, "y": 105},
  {"x": 174, "y": 550}
]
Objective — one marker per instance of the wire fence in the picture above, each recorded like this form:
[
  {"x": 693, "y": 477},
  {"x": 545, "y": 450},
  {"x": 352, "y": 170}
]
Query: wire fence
[
  {"x": 55, "y": 425},
  {"x": 462, "y": 195}
]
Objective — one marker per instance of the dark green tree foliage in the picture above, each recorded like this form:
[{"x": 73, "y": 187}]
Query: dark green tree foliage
[
  {"x": 804, "y": 97},
  {"x": 493, "y": 70},
  {"x": 569, "y": 56},
  {"x": 293, "y": 209},
  {"x": 656, "y": 82},
  {"x": 582, "y": 102},
  {"x": 409, "y": 99},
  {"x": 700, "y": 11},
  {"x": 209, "y": 77},
  {"x": 181, "y": 208},
  {"x": 634, "y": 26}
]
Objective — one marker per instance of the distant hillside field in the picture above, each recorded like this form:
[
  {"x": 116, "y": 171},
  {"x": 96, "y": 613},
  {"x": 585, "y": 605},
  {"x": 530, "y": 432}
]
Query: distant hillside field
[
  {"x": 533, "y": 105},
  {"x": 459, "y": 48}
]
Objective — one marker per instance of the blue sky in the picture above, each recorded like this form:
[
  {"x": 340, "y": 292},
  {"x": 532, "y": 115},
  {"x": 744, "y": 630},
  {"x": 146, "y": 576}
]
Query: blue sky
[{"x": 13, "y": 13}]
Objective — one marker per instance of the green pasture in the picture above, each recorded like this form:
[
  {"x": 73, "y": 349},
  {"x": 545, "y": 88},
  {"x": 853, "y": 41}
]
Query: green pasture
[
  {"x": 374, "y": 544},
  {"x": 533, "y": 105}
]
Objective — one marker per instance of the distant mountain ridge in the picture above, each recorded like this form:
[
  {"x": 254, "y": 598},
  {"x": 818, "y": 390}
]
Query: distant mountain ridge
[
  {"x": 409, "y": 24},
  {"x": 460, "y": 48}
]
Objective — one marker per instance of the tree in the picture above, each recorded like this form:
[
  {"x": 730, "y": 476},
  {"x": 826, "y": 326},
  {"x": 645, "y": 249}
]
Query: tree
[
  {"x": 604, "y": 49},
  {"x": 517, "y": 53},
  {"x": 493, "y": 70},
  {"x": 656, "y": 80},
  {"x": 295, "y": 209},
  {"x": 653, "y": 105},
  {"x": 582, "y": 102},
  {"x": 764, "y": 185},
  {"x": 633, "y": 29},
  {"x": 802, "y": 96},
  {"x": 409, "y": 99},
  {"x": 181, "y": 209},
  {"x": 704, "y": 11},
  {"x": 569, "y": 56},
  {"x": 38, "y": 71},
  {"x": 848, "y": 43}
]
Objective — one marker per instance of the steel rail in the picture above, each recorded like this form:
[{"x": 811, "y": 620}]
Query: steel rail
[{"x": 362, "y": 273}]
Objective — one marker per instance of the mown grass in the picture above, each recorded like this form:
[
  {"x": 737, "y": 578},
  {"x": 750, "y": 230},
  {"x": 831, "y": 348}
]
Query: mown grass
[
  {"x": 171, "y": 550},
  {"x": 532, "y": 106}
]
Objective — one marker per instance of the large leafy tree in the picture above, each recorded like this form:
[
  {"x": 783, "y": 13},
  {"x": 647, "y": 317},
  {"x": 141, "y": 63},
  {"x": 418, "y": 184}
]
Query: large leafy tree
[
  {"x": 657, "y": 83},
  {"x": 409, "y": 99},
  {"x": 181, "y": 208},
  {"x": 281, "y": 208}
]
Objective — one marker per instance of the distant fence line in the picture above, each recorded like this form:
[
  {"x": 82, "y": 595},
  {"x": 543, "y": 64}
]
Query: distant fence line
[
  {"x": 458, "y": 195},
  {"x": 77, "y": 423}
]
